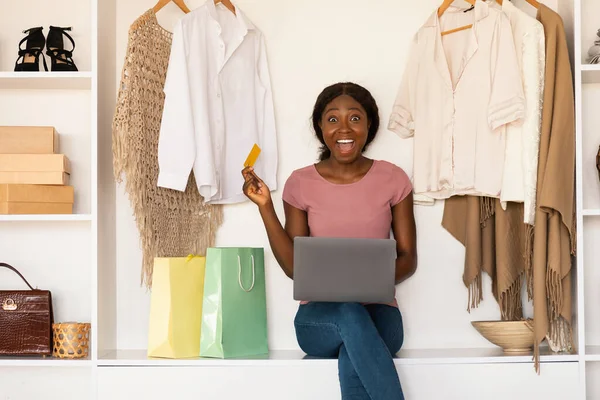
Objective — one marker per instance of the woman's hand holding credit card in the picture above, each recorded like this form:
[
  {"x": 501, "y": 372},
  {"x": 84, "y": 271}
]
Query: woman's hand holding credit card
[{"x": 254, "y": 188}]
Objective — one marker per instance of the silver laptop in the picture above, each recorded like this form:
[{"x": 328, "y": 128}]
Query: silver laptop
[{"x": 344, "y": 269}]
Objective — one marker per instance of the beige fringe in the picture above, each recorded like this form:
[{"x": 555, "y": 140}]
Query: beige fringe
[
  {"x": 487, "y": 210},
  {"x": 555, "y": 294},
  {"x": 560, "y": 336},
  {"x": 511, "y": 307},
  {"x": 529, "y": 230},
  {"x": 170, "y": 223},
  {"x": 475, "y": 292}
]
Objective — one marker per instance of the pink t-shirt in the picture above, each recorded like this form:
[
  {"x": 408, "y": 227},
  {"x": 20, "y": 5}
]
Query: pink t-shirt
[{"x": 361, "y": 209}]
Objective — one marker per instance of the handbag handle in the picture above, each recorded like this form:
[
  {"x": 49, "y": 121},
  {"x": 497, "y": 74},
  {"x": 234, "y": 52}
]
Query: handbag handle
[
  {"x": 5, "y": 265},
  {"x": 240, "y": 273}
]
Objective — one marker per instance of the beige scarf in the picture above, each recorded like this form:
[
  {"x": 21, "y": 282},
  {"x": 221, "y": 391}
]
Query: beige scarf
[
  {"x": 495, "y": 243},
  {"x": 554, "y": 234},
  {"x": 171, "y": 223}
]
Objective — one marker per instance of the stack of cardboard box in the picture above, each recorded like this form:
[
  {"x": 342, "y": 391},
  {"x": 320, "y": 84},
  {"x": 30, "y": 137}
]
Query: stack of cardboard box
[{"x": 34, "y": 178}]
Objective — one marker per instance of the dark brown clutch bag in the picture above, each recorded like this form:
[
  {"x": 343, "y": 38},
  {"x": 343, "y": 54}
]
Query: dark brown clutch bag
[{"x": 25, "y": 321}]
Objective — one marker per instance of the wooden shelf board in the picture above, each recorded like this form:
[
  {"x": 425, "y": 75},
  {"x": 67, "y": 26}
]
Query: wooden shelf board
[
  {"x": 591, "y": 212},
  {"x": 46, "y": 217},
  {"x": 43, "y": 362},
  {"x": 46, "y": 80},
  {"x": 295, "y": 357}
]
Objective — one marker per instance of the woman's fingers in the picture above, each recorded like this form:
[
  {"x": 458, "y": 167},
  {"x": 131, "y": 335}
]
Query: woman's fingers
[
  {"x": 251, "y": 186},
  {"x": 249, "y": 174}
]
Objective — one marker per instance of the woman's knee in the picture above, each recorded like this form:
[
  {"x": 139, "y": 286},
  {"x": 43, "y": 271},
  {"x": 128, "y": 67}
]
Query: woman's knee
[
  {"x": 393, "y": 333},
  {"x": 317, "y": 336}
]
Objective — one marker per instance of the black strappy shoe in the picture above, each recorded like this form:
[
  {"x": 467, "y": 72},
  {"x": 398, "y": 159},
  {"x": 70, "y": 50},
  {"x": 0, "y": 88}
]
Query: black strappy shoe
[
  {"x": 62, "y": 60},
  {"x": 29, "y": 57}
]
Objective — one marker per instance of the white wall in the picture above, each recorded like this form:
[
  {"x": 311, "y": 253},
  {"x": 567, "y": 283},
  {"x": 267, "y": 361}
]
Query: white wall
[{"x": 312, "y": 44}]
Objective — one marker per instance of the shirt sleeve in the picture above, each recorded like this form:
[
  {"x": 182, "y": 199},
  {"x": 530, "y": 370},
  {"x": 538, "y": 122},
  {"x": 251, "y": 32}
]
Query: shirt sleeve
[
  {"x": 402, "y": 185},
  {"x": 266, "y": 119},
  {"x": 507, "y": 102},
  {"x": 402, "y": 117},
  {"x": 176, "y": 144},
  {"x": 292, "y": 192}
]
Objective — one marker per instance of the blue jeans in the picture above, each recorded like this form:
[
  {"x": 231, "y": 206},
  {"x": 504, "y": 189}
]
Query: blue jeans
[{"x": 363, "y": 337}]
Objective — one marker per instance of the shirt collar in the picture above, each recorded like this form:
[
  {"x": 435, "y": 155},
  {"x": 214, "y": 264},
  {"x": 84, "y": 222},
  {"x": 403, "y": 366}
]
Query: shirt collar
[
  {"x": 244, "y": 22},
  {"x": 481, "y": 11}
]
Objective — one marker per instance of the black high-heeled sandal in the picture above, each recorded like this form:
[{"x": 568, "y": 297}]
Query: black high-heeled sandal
[
  {"x": 30, "y": 56},
  {"x": 62, "y": 60}
]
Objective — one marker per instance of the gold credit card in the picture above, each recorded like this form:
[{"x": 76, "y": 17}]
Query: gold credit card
[{"x": 252, "y": 156}]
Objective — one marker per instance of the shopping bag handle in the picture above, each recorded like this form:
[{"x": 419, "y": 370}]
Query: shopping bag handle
[{"x": 240, "y": 273}]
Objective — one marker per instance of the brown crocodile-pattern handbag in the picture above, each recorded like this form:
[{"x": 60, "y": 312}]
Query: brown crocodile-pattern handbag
[{"x": 25, "y": 321}]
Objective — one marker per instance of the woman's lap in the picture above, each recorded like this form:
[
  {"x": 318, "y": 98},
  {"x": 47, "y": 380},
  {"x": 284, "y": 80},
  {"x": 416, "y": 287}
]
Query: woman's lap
[{"x": 318, "y": 325}]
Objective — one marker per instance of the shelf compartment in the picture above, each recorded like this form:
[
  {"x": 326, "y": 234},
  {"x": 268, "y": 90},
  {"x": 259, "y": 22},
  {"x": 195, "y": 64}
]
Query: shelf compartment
[
  {"x": 46, "y": 80},
  {"x": 295, "y": 357}
]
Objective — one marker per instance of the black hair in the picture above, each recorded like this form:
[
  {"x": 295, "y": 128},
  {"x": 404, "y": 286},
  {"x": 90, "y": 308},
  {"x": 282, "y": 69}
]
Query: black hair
[{"x": 358, "y": 93}]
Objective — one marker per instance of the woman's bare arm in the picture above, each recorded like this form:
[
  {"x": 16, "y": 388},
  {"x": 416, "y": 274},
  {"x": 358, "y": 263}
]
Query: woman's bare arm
[
  {"x": 405, "y": 233},
  {"x": 280, "y": 239}
]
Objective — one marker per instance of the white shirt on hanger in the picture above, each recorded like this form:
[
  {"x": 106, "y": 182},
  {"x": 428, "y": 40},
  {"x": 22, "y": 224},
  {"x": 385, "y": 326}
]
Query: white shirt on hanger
[
  {"x": 457, "y": 95},
  {"x": 218, "y": 103},
  {"x": 519, "y": 182}
]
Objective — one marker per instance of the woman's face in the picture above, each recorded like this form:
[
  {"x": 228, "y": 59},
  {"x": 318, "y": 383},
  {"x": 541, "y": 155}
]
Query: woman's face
[{"x": 345, "y": 128}]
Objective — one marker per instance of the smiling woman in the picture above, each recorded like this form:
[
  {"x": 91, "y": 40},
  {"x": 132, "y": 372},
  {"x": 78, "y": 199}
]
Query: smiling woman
[
  {"x": 346, "y": 195},
  {"x": 348, "y": 109}
]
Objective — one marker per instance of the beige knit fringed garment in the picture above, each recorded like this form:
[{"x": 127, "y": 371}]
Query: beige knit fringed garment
[{"x": 170, "y": 223}]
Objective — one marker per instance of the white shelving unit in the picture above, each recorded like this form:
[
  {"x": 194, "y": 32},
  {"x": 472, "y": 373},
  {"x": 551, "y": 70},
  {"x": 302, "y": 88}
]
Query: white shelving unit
[
  {"x": 54, "y": 252},
  {"x": 79, "y": 259}
]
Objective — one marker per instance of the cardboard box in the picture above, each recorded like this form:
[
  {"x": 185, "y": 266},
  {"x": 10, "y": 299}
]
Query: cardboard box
[
  {"x": 37, "y": 193},
  {"x": 34, "y": 163},
  {"x": 34, "y": 178},
  {"x": 36, "y": 199},
  {"x": 7, "y": 208},
  {"x": 28, "y": 140}
]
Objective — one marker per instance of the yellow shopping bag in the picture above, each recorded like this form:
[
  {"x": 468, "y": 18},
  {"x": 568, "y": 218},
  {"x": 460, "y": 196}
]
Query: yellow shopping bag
[{"x": 176, "y": 307}]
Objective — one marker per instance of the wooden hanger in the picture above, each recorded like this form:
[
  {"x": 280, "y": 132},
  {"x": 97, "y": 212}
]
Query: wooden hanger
[
  {"x": 534, "y": 3},
  {"x": 227, "y": 4},
  {"x": 445, "y": 5},
  {"x": 179, "y": 3}
]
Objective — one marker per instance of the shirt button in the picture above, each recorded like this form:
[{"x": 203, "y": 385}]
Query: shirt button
[
  {"x": 219, "y": 95},
  {"x": 221, "y": 46}
]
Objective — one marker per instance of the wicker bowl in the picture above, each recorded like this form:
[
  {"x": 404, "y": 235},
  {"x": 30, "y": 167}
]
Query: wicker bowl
[{"x": 515, "y": 337}]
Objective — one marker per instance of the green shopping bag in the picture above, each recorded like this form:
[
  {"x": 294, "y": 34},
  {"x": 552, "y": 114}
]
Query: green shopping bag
[{"x": 234, "y": 320}]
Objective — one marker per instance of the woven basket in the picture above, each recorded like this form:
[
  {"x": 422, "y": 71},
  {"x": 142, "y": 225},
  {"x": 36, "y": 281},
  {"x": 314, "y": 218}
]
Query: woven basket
[{"x": 71, "y": 340}]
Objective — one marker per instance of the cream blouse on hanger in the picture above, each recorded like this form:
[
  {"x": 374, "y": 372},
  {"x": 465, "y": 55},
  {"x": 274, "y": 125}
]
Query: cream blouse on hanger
[{"x": 457, "y": 94}]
